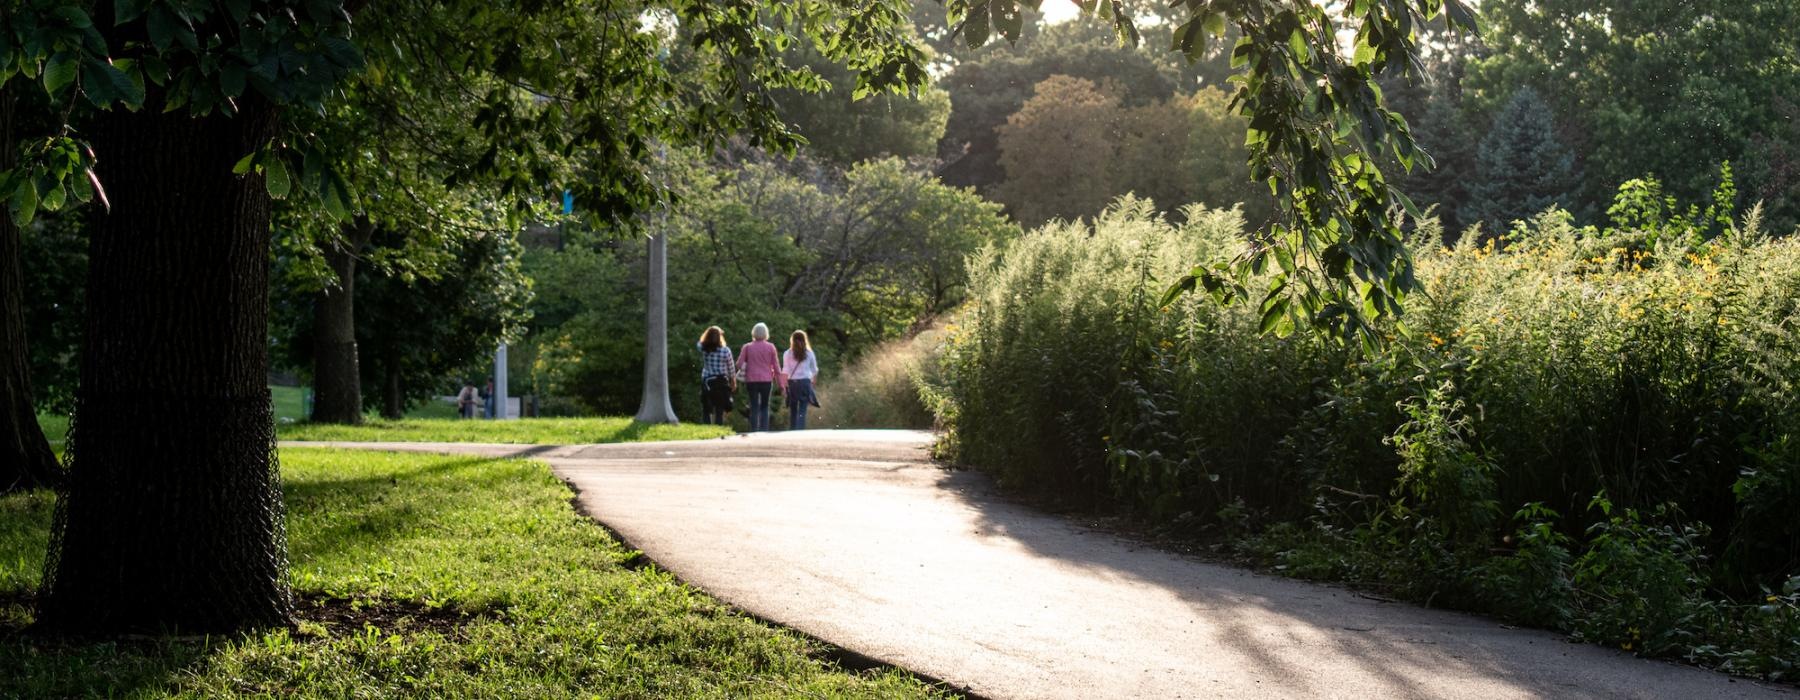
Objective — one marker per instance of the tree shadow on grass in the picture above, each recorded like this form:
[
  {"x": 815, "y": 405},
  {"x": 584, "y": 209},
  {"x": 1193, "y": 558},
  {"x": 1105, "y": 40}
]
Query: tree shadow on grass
[
  {"x": 629, "y": 432},
  {"x": 378, "y": 508},
  {"x": 35, "y": 665}
]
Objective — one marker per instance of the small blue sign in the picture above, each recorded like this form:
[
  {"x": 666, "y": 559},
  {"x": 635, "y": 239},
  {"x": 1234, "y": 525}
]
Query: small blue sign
[{"x": 568, "y": 202}]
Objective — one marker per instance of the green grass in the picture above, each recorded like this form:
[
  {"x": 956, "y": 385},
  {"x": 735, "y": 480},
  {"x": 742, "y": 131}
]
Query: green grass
[
  {"x": 56, "y": 428},
  {"x": 433, "y": 409},
  {"x": 541, "y": 431},
  {"x": 290, "y": 402},
  {"x": 541, "y": 605}
]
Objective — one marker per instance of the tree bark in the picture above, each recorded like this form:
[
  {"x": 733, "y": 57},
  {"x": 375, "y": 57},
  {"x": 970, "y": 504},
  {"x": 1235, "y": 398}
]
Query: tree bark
[
  {"x": 393, "y": 400},
  {"x": 337, "y": 378},
  {"x": 26, "y": 460},
  {"x": 171, "y": 516}
]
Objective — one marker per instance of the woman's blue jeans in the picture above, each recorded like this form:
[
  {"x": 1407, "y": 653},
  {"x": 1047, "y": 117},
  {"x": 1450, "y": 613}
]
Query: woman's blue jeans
[
  {"x": 799, "y": 398},
  {"x": 759, "y": 404}
]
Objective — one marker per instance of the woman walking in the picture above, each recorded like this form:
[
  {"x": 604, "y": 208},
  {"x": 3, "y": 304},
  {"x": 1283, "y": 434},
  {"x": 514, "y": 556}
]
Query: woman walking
[
  {"x": 799, "y": 365},
  {"x": 761, "y": 364},
  {"x": 716, "y": 380}
]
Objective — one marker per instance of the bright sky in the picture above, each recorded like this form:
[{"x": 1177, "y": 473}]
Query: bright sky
[{"x": 1059, "y": 11}]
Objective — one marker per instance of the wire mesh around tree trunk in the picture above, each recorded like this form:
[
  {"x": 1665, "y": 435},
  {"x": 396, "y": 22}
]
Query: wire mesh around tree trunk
[{"x": 170, "y": 520}]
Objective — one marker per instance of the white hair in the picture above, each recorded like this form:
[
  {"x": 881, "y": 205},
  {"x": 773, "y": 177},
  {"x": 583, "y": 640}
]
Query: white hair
[{"x": 760, "y": 331}]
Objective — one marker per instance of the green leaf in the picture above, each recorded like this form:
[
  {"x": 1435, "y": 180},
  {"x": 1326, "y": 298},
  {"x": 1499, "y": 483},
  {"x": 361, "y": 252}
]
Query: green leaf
[
  {"x": 24, "y": 203},
  {"x": 1215, "y": 23},
  {"x": 1008, "y": 19},
  {"x": 1181, "y": 286},
  {"x": 106, "y": 84},
  {"x": 280, "y": 183},
  {"x": 54, "y": 198},
  {"x": 342, "y": 52},
  {"x": 1459, "y": 15},
  {"x": 127, "y": 10},
  {"x": 239, "y": 9},
  {"x": 59, "y": 71},
  {"x": 975, "y": 28},
  {"x": 1297, "y": 44},
  {"x": 160, "y": 24},
  {"x": 231, "y": 79},
  {"x": 1275, "y": 315},
  {"x": 73, "y": 16},
  {"x": 245, "y": 164}
]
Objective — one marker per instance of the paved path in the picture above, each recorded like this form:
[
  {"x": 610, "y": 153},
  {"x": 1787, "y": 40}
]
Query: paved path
[{"x": 856, "y": 538}]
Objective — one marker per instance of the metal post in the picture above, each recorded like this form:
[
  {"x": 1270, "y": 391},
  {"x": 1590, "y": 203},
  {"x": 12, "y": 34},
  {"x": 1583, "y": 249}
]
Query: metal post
[
  {"x": 500, "y": 400},
  {"x": 656, "y": 407}
]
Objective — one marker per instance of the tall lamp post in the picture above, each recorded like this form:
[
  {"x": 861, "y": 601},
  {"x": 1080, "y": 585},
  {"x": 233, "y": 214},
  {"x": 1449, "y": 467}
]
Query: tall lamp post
[{"x": 655, "y": 406}]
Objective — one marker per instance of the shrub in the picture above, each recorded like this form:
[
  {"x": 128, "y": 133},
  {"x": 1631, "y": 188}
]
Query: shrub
[{"x": 1538, "y": 368}]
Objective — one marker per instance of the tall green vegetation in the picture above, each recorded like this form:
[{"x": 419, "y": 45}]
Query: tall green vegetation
[{"x": 1585, "y": 428}]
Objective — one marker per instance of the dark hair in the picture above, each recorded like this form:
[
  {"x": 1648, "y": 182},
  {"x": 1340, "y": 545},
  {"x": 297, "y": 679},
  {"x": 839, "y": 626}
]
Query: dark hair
[
  {"x": 712, "y": 339},
  {"x": 797, "y": 344}
]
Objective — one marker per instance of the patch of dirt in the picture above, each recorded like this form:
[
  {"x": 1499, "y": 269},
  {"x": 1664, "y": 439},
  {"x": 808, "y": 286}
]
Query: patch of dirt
[{"x": 352, "y": 615}]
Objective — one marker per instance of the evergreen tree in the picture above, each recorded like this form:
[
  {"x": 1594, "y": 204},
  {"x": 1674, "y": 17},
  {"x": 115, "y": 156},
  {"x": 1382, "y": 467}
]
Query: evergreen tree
[{"x": 1521, "y": 167}]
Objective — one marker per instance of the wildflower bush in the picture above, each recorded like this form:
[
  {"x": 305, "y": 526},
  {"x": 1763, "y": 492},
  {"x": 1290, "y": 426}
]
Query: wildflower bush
[{"x": 1590, "y": 429}]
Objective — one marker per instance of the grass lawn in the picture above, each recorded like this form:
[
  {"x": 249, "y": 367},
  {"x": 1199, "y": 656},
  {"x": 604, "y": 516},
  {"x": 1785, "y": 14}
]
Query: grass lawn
[
  {"x": 541, "y": 431},
  {"x": 450, "y": 577},
  {"x": 56, "y": 428},
  {"x": 290, "y": 402}
]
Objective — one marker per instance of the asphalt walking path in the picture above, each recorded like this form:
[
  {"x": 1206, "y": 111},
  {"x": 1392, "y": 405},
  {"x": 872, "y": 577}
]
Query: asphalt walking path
[{"x": 857, "y": 538}]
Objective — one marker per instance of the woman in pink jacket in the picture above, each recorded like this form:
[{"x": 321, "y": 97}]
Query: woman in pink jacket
[{"x": 761, "y": 364}]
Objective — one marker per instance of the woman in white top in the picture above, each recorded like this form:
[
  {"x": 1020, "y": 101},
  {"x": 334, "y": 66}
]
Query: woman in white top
[{"x": 799, "y": 365}]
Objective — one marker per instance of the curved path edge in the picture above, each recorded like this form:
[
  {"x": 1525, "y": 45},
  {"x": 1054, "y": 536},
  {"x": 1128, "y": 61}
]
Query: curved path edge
[{"x": 858, "y": 539}]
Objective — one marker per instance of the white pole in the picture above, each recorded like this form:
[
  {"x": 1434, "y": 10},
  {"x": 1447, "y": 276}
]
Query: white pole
[
  {"x": 655, "y": 407},
  {"x": 500, "y": 400}
]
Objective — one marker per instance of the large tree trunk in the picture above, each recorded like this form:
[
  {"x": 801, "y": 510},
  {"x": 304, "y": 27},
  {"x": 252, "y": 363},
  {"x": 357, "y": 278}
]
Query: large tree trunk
[
  {"x": 26, "y": 460},
  {"x": 171, "y": 517},
  {"x": 337, "y": 381}
]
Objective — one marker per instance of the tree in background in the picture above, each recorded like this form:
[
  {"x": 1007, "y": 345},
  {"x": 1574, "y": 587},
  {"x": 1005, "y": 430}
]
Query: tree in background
[
  {"x": 1522, "y": 168},
  {"x": 1214, "y": 159},
  {"x": 1435, "y": 109},
  {"x": 417, "y": 332},
  {"x": 1773, "y": 166},
  {"x": 1070, "y": 151},
  {"x": 987, "y": 89},
  {"x": 1669, "y": 87},
  {"x": 1056, "y": 152},
  {"x": 847, "y": 131},
  {"x": 418, "y": 327},
  {"x": 1148, "y": 153}
]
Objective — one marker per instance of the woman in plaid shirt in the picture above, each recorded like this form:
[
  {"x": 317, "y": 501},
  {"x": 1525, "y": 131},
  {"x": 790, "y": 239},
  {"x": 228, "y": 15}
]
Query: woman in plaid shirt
[{"x": 716, "y": 379}]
